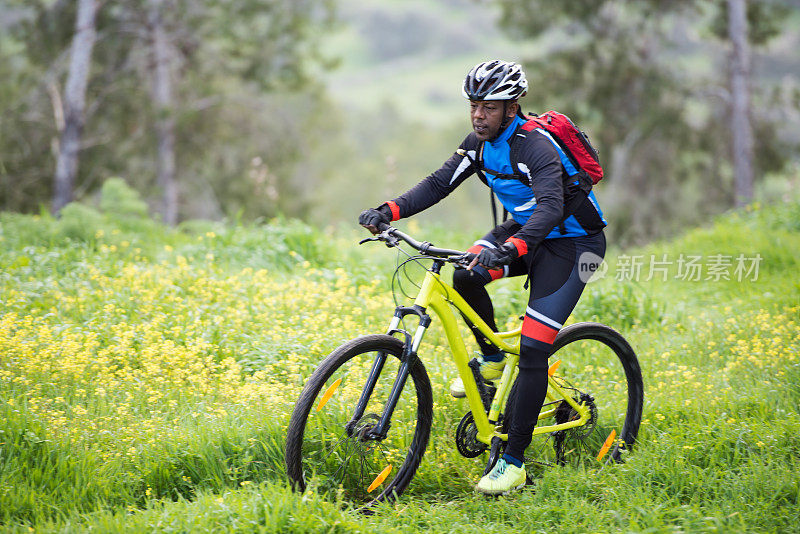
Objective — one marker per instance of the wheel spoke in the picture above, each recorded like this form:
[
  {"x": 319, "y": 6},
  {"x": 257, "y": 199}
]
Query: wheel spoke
[
  {"x": 333, "y": 449},
  {"x": 343, "y": 466}
]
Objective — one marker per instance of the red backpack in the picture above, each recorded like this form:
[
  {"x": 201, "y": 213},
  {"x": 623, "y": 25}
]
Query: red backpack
[{"x": 570, "y": 139}]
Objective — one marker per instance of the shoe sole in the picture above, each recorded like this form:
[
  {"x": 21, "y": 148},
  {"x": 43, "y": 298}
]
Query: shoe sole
[{"x": 500, "y": 493}]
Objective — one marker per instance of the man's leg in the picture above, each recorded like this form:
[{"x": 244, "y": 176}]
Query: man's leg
[{"x": 556, "y": 286}]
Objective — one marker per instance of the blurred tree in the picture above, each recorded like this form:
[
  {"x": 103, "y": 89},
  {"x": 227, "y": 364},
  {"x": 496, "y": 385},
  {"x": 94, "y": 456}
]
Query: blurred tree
[
  {"x": 235, "y": 84},
  {"x": 164, "y": 109},
  {"x": 741, "y": 128},
  {"x": 32, "y": 63},
  {"x": 743, "y": 25},
  {"x": 74, "y": 103}
]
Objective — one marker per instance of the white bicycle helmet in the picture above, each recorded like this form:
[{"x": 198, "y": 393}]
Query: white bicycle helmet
[{"x": 495, "y": 80}]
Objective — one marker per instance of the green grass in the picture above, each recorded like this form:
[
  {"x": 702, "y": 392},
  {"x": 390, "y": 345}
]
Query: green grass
[{"x": 147, "y": 375}]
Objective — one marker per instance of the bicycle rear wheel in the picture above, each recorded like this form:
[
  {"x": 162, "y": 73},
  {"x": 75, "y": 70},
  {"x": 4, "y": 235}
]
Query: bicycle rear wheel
[
  {"x": 330, "y": 448},
  {"x": 597, "y": 367}
]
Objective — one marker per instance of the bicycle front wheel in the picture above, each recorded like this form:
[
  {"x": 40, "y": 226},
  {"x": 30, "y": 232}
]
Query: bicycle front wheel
[
  {"x": 596, "y": 367},
  {"x": 331, "y": 447}
]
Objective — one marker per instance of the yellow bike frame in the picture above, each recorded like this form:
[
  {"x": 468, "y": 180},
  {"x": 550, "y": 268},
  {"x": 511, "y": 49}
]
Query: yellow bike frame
[{"x": 441, "y": 298}]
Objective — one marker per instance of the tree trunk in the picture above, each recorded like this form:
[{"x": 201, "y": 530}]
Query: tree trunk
[
  {"x": 741, "y": 128},
  {"x": 74, "y": 103},
  {"x": 165, "y": 121}
]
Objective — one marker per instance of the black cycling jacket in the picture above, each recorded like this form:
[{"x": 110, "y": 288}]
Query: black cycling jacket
[{"x": 538, "y": 158}]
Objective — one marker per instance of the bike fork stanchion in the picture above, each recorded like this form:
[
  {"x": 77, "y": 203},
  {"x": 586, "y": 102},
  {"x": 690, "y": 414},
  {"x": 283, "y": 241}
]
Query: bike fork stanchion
[
  {"x": 382, "y": 428},
  {"x": 372, "y": 379},
  {"x": 409, "y": 359},
  {"x": 375, "y": 371}
]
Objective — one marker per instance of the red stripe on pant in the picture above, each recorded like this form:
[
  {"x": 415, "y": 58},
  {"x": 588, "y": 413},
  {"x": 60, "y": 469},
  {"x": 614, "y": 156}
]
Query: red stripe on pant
[
  {"x": 533, "y": 329},
  {"x": 494, "y": 273}
]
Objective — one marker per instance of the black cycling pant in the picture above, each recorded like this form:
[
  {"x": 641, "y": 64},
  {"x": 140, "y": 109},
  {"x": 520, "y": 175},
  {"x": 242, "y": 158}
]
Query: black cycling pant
[{"x": 558, "y": 270}]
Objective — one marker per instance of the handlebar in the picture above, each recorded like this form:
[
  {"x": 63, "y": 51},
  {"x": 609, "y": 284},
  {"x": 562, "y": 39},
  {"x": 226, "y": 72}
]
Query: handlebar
[{"x": 391, "y": 235}]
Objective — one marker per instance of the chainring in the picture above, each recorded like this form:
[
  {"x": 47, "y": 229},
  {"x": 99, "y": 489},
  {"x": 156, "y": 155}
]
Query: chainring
[{"x": 467, "y": 438}]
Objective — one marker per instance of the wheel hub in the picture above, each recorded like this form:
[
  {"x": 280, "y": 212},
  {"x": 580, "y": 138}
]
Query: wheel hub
[{"x": 362, "y": 430}]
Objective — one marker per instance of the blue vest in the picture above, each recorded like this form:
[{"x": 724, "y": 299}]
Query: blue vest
[{"x": 516, "y": 197}]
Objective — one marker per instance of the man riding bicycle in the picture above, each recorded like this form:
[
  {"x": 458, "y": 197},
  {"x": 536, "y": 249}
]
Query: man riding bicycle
[{"x": 553, "y": 223}]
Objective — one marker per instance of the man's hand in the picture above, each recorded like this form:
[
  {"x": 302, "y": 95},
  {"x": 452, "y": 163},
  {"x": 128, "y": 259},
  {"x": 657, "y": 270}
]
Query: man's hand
[
  {"x": 372, "y": 218},
  {"x": 494, "y": 258}
]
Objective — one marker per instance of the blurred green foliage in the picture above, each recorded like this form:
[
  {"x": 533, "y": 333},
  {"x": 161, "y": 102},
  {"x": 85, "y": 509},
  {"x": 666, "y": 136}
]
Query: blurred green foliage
[
  {"x": 245, "y": 90},
  {"x": 266, "y": 125},
  {"x": 648, "y": 82}
]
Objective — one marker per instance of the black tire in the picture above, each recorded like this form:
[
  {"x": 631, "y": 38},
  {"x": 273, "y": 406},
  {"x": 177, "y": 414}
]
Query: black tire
[
  {"x": 319, "y": 452},
  {"x": 596, "y": 361}
]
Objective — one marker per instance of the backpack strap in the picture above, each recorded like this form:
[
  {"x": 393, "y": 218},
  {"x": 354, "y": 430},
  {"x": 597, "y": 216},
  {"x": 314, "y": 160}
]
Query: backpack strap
[
  {"x": 480, "y": 168},
  {"x": 513, "y": 153}
]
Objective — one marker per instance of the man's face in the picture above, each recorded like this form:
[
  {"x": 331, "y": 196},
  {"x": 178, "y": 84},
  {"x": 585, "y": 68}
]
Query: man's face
[{"x": 487, "y": 117}]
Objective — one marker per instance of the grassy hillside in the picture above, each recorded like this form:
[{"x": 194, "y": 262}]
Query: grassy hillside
[{"x": 147, "y": 375}]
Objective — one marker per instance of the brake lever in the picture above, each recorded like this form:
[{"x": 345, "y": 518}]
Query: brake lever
[
  {"x": 463, "y": 260},
  {"x": 390, "y": 240}
]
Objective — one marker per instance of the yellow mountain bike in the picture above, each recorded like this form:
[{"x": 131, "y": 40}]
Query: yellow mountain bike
[{"x": 360, "y": 427}]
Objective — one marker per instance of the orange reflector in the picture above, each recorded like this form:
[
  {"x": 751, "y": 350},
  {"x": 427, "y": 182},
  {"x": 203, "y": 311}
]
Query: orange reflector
[
  {"x": 380, "y": 478},
  {"x": 328, "y": 394},
  {"x": 552, "y": 370},
  {"x": 607, "y": 445}
]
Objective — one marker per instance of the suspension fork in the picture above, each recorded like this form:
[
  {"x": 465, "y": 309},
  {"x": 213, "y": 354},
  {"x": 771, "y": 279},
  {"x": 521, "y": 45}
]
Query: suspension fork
[{"x": 407, "y": 361}]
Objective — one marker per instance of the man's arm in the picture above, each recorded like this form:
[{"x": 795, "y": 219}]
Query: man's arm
[{"x": 439, "y": 184}]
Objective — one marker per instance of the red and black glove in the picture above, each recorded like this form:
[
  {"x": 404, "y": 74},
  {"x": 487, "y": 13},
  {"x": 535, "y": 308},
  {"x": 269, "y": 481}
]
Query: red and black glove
[
  {"x": 494, "y": 258},
  {"x": 372, "y": 219}
]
